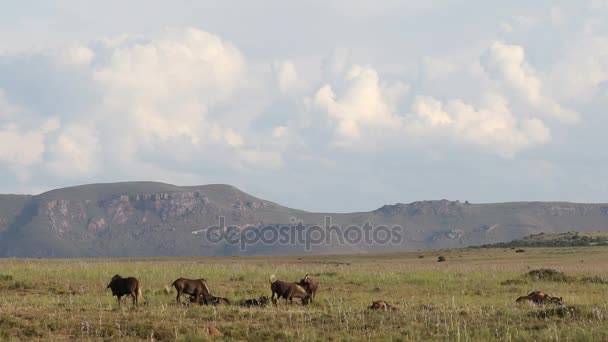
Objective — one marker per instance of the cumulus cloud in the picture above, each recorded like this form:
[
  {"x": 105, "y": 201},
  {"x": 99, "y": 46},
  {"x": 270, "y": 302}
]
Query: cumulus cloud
[
  {"x": 76, "y": 152},
  {"x": 20, "y": 148},
  {"x": 360, "y": 108},
  {"x": 287, "y": 77},
  {"x": 364, "y": 112},
  {"x": 491, "y": 126},
  {"x": 179, "y": 104},
  {"x": 77, "y": 55},
  {"x": 507, "y": 64},
  {"x": 164, "y": 87}
]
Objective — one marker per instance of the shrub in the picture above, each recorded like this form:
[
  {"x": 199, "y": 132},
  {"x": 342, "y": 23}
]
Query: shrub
[
  {"x": 520, "y": 250},
  {"x": 549, "y": 274},
  {"x": 441, "y": 258}
]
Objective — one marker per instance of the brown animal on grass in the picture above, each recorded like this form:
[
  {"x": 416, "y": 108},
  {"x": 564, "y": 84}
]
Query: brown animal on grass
[
  {"x": 195, "y": 287},
  {"x": 125, "y": 287},
  {"x": 311, "y": 285},
  {"x": 219, "y": 301},
  {"x": 556, "y": 300},
  {"x": 382, "y": 306},
  {"x": 213, "y": 331},
  {"x": 261, "y": 301},
  {"x": 288, "y": 291},
  {"x": 213, "y": 300},
  {"x": 538, "y": 297}
]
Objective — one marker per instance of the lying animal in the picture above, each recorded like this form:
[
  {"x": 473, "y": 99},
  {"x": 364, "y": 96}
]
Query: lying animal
[
  {"x": 311, "y": 285},
  {"x": 383, "y": 306},
  {"x": 261, "y": 301},
  {"x": 197, "y": 288},
  {"x": 538, "y": 297},
  {"x": 288, "y": 291},
  {"x": 125, "y": 287},
  {"x": 219, "y": 301},
  {"x": 212, "y": 300}
]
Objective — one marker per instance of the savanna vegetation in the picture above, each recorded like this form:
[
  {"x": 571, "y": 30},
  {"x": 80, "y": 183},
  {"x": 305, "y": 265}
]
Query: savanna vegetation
[{"x": 468, "y": 297}]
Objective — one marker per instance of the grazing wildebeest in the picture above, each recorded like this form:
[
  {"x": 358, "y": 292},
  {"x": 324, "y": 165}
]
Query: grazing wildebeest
[
  {"x": 261, "y": 301},
  {"x": 288, "y": 291},
  {"x": 311, "y": 285},
  {"x": 125, "y": 287},
  {"x": 538, "y": 297},
  {"x": 193, "y": 287},
  {"x": 382, "y": 305}
]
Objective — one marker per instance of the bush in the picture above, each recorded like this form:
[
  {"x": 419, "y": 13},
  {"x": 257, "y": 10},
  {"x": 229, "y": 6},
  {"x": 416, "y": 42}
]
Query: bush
[
  {"x": 441, "y": 259},
  {"x": 520, "y": 250},
  {"x": 549, "y": 274}
]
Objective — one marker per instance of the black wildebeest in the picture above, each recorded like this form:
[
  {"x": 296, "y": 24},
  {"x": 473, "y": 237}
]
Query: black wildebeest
[
  {"x": 288, "y": 291},
  {"x": 125, "y": 287},
  {"x": 382, "y": 306},
  {"x": 193, "y": 287},
  {"x": 538, "y": 297},
  {"x": 261, "y": 301},
  {"x": 213, "y": 300},
  {"x": 311, "y": 285}
]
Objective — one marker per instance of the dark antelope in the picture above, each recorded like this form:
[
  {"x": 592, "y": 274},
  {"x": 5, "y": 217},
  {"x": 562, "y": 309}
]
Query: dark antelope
[
  {"x": 125, "y": 287},
  {"x": 194, "y": 287},
  {"x": 288, "y": 291}
]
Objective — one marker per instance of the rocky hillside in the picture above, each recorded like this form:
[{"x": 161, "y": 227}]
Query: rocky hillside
[{"x": 156, "y": 219}]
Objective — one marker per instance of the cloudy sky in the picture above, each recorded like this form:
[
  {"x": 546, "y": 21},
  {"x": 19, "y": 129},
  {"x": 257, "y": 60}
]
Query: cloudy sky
[{"x": 329, "y": 105}]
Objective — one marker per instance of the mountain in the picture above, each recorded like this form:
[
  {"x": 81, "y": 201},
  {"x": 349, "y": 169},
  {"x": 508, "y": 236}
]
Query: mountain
[{"x": 138, "y": 219}]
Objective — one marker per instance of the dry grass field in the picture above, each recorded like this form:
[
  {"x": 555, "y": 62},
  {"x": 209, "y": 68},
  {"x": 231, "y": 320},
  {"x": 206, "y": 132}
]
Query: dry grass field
[{"x": 469, "y": 297}]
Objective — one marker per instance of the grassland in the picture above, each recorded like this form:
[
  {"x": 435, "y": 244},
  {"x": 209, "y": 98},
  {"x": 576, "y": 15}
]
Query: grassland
[{"x": 469, "y": 297}]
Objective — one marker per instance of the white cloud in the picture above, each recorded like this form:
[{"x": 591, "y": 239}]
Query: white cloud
[
  {"x": 163, "y": 88},
  {"x": 287, "y": 77},
  {"x": 490, "y": 126},
  {"x": 280, "y": 132},
  {"x": 507, "y": 64},
  {"x": 360, "y": 108},
  {"x": 20, "y": 149},
  {"x": 75, "y": 152},
  {"x": 77, "y": 55}
]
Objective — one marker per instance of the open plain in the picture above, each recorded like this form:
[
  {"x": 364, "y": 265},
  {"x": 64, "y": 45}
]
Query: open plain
[{"x": 468, "y": 297}]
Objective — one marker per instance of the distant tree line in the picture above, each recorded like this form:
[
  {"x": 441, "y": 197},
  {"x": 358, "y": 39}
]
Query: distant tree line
[{"x": 562, "y": 241}]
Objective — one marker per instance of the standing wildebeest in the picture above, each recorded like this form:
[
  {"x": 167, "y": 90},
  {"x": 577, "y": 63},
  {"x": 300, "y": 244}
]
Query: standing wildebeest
[
  {"x": 195, "y": 288},
  {"x": 125, "y": 287},
  {"x": 311, "y": 285},
  {"x": 288, "y": 291}
]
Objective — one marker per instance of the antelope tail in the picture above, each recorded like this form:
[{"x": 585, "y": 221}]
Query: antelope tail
[
  {"x": 207, "y": 287},
  {"x": 272, "y": 279},
  {"x": 140, "y": 296}
]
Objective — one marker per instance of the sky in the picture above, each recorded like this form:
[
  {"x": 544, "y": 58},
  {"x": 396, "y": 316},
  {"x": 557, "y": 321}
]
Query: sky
[{"x": 331, "y": 106}]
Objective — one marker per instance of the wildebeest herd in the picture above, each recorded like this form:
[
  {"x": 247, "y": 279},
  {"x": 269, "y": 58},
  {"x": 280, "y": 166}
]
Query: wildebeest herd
[
  {"x": 199, "y": 292},
  {"x": 305, "y": 290}
]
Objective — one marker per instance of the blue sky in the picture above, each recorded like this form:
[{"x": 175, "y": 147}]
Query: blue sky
[{"x": 321, "y": 105}]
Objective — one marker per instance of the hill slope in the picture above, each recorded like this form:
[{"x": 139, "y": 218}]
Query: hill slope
[{"x": 156, "y": 219}]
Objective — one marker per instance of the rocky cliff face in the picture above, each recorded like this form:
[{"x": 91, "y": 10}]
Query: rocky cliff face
[{"x": 152, "y": 219}]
